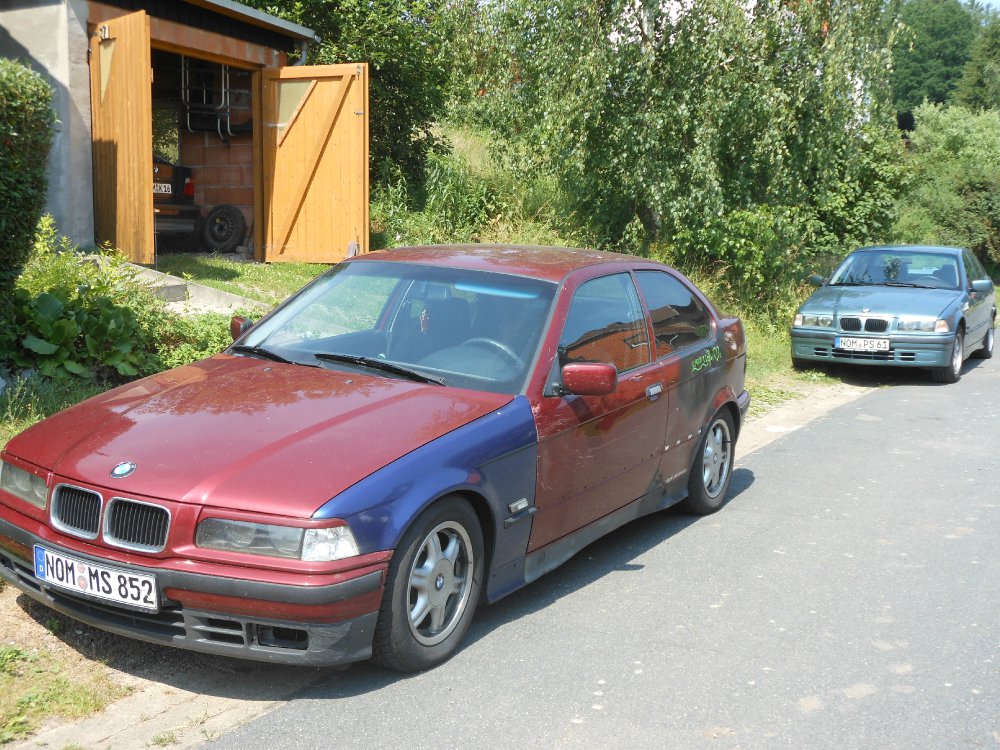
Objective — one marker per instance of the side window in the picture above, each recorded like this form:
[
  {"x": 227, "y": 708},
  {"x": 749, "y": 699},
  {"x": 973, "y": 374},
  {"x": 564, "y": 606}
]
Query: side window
[
  {"x": 679, "y": 319},
  {"x": 605, "y": 324}
]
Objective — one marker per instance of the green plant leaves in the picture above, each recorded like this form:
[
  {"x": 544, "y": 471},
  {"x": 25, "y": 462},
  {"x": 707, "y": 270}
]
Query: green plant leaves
[{"x": 39, "y": 346}]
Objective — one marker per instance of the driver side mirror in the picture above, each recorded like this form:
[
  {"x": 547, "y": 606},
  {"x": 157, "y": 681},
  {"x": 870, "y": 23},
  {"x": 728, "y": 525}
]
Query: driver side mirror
[
  {"x": 983, "y": 286},
  {"x": 816, "y": 280},
  {"x": 238, "y": 325},
  {"x": 590, "y": 378}
]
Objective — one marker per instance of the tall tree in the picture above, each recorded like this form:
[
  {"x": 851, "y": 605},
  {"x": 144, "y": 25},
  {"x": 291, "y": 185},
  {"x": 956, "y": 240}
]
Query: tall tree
[
  {"x": 401, "y": 42},
  {"x": 979, "y": 87},
  {"x": 929, "y": 60}
]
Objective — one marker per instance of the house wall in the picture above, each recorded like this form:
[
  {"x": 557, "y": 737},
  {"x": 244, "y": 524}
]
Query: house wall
[{"x": 55, "y": 31}]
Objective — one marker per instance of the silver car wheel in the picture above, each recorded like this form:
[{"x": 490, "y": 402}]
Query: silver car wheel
[
  {"x": 956, "y": 355},
  {"x": 440, "y": 583},
  {"x": 715, "y": 460}
]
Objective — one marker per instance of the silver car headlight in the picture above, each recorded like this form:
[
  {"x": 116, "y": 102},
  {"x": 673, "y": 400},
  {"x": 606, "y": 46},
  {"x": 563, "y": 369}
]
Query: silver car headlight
[
  {"x": 23, "y": 484},
  {"x": 272, "y": 540},
  {"x": 923, "y": 325},
  {"x": 813, "y": 320}
]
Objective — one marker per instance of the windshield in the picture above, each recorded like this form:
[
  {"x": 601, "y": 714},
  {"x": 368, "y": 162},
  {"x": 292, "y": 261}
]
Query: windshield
[
  {"x": 468, "y": 329},
  {"x": 898, "y": 268}
]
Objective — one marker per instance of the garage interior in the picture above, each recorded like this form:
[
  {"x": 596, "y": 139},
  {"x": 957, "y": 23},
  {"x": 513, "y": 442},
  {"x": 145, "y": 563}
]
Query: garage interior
[
  {"x": 198, "y": 120},
  {"x": 202, "y": 118}
]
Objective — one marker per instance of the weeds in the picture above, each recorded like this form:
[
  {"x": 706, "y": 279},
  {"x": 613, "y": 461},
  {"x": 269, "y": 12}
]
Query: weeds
[{"x": 32, "y": 688}]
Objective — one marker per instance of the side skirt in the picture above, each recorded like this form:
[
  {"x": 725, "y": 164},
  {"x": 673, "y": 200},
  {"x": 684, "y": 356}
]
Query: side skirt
[{"x": 540, "y": 562}]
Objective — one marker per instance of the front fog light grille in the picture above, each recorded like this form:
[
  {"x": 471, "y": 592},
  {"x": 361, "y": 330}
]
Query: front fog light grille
[
  {"x": 76, "y": 511},
  {"x": 135, "y": 525}
]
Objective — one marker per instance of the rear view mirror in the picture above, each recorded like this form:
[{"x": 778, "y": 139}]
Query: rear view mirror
[
  {"x": 238, "y": 325},
  {"x": 590, "y": 378}
]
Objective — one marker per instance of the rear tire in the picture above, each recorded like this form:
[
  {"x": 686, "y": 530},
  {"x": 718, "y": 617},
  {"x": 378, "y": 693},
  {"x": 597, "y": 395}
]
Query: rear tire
[
  {"x": 712, "y": 471},
  {"x": 986, "y": 350},
  {"x": 432, "y": 588},
  {"x": 953, "y": 371}
]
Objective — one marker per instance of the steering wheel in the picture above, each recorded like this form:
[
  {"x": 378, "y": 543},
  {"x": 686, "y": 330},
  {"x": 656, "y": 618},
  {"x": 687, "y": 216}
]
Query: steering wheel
[{"x": 498, "y": 346}]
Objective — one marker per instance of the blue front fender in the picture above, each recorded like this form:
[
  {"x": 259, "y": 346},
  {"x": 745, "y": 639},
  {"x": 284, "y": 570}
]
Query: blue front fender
[{"x": 494, "y": 457}]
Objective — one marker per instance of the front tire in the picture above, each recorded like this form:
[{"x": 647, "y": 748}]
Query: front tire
[
  {"x": 712, "y": 472},
  {"x": 986, "y": 350},
  {"x": 432, "y": 588},
  {"x": 953, "y": 370}
]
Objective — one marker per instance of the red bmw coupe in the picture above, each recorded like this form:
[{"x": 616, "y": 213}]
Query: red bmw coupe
[{"x": 415, "y": 431}]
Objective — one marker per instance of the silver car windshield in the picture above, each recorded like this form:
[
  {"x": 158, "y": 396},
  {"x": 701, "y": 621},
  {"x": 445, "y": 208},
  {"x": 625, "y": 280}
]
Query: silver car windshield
[
  {"x": 898, "y": 268},
  {"x": 455, "y": 327}
]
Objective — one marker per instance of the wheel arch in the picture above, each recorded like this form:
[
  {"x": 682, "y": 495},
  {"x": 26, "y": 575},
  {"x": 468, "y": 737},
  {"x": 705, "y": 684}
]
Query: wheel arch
[
  {"x": 725, "y": 399},
  {"x": 487, "y": 522}
]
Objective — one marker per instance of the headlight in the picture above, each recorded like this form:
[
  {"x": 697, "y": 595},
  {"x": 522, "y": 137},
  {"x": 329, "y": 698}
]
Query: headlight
[
  {"x": 23, "y": 484},
  {"x": 271, "y": 540},
  {"x": 924, "y": 325},
  {"x": 814, "y": 320}
]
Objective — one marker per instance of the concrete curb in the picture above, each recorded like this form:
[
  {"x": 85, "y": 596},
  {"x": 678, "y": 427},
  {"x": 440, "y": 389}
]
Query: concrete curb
[{"x": 188, "y": 297}]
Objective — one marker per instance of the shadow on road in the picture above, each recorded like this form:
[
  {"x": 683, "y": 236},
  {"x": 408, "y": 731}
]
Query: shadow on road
[{"x": 876, "y": 376}]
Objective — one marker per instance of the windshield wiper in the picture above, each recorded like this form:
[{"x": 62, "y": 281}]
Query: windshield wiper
[
  {"x": 852, "y": 283},
  {"x": 378, "y": 364},
  {"x": 908, "y": 283},
  {"x": 259, "y": 351}
]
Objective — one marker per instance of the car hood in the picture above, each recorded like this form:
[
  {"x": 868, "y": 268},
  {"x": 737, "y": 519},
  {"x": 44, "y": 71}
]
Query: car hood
[
  {"x": 879, "y": 300},
  {"x": 243, "y": 433}
]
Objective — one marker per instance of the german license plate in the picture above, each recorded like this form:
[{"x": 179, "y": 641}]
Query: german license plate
[
  {"x": 163, "y": 187},
  {"x": 80, "y": 577},
  {"x": 854, "y": 344}
]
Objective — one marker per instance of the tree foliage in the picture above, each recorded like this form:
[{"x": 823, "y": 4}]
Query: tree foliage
[
  {"x": 399, "y": 40},
  {"x": 928, "y": 63},
  {"x": 979, "y": 87},
  {"x": 739, "y": 138},
  {"x": 954, "y": 192}
]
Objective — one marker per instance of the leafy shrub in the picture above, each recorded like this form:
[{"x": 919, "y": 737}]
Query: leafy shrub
[
  {"x": 466, "y": 195},
  {"x": 93, "y": 318},
  {"x": 953, "y": 197},
  {"x": 26, "y": 120}
]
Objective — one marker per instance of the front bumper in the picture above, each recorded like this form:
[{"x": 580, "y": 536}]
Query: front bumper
[
  {"x": 905, "y": 350},
  {"x": 239, "y": 627}
]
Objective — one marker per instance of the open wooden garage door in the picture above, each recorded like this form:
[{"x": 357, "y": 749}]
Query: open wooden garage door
[
  {"x": 121, "y": 106},
  {"x": 313, "y": 189}
]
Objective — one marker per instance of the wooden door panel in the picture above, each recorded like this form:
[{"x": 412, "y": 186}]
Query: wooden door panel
[
  {"x": 121, "y": 123},
  {"x": 315, "y": 163}
]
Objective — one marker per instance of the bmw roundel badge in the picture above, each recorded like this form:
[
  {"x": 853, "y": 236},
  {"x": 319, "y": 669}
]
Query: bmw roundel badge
[{"x": 122, "y": 470}]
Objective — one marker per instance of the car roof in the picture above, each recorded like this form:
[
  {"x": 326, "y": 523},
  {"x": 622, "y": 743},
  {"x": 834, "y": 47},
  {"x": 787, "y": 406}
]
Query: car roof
[
  {"x": 533, "y": 261},
  {"x": 946, "y": 249}
]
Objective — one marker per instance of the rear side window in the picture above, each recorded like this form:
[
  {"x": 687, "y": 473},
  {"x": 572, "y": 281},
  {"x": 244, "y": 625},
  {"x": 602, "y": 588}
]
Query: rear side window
[
  {"x": 606, "y": 324},
  {"x": 679, "y": 318}
]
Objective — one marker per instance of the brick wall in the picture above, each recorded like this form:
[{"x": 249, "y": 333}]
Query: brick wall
[{"x": 223, "y": 171}]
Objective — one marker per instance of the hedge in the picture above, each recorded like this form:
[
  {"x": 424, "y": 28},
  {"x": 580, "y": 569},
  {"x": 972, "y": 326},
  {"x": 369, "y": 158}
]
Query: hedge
[{"x": 26, "y": 120}]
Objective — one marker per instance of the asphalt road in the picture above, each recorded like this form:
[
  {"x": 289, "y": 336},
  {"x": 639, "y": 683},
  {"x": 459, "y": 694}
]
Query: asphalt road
[{"x": 845, "y": 597}]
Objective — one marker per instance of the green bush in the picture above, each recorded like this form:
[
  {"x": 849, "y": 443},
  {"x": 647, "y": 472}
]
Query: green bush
[
  {"x": 953, "y": 197},
  {"x": 91, "y": 317},
  {"x": 26, "y": 120}
]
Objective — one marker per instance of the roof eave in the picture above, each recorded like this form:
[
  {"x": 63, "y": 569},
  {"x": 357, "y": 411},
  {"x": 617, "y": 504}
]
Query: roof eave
[{"x": 257, "y": 18}]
